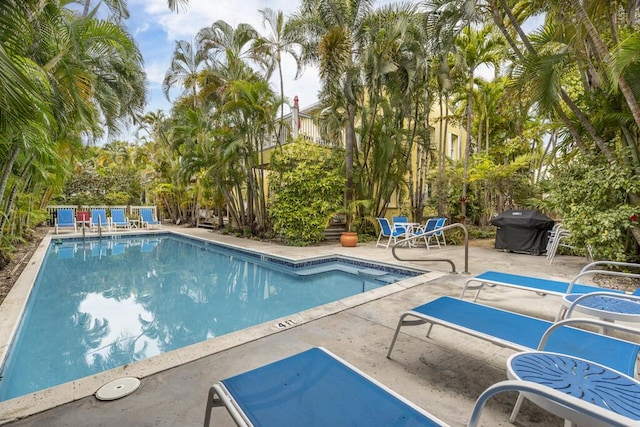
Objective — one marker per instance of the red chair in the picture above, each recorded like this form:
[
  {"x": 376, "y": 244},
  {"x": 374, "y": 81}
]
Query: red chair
[{"x": 83, "y": 218}]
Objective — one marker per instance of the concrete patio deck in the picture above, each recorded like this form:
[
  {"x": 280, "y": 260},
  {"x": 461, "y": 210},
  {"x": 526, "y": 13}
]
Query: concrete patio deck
[{"x": 443, "y": 374}]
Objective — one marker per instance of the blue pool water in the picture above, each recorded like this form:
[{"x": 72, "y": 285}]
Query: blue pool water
[{"x": 100, "y": 304}]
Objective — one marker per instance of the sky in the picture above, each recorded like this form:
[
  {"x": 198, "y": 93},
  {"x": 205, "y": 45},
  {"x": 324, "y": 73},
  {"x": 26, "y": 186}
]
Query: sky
[{"x": 156, "y": 30}]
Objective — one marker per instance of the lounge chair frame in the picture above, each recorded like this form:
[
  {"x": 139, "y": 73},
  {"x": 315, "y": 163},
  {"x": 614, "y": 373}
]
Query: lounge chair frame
[
  {"x": 354, "y": 389},
  {"x": 99, "y": 220},
  {"x": 281, "y": 383},
  {"x": 66, "y": 224},
  {"x": 119, "y": 219},
  {"x": 147, "y": 218},
  {"x": 520, "y": 332},
  {"x": 546, "y": 286}
]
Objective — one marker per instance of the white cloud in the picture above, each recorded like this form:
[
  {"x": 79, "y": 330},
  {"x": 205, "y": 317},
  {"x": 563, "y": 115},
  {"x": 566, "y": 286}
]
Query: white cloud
[
  {"x": 155, "y": 72},
  {"x": 156, "y": 29},
  {"x": 202, "y": 13},
  {"x": 141, "y": 29}
]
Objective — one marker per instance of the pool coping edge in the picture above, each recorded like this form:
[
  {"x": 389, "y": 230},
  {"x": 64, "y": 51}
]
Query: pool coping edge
[{"x": 40, "y": 401}]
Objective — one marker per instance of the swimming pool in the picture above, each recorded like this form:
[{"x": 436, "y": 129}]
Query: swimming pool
[{"x": 99, "y": 304}]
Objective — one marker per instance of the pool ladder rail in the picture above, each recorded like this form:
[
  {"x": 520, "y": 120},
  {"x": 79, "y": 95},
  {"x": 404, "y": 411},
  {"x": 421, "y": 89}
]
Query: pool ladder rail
[
  {"x": 447, "y": 227},
  {"x": 84, "y": 235},
  {"x": 84, "y": 232}
]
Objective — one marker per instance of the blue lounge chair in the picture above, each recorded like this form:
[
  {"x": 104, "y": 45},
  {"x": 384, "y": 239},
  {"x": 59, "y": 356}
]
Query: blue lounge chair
[
  {"x": 65, "y": 219},
  {"x": 521, "y": 332},
  {"x": 546, "y": 286},
  {"x": 99, "y": 220},
  {"x": 316, "y": 388},
  {"x": 119, "y": 220},
  {"x": 147, "y": 218},
  {"x": 389, "y": 232},
  {"x": 280, "y": 394}
]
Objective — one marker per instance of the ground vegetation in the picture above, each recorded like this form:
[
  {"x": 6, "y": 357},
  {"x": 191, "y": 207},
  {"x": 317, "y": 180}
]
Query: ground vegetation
[{"x": 548, "y": 94}]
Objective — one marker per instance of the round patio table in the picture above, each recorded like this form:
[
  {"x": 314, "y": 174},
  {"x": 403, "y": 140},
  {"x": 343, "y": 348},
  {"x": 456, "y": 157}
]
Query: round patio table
[
  {"x": 589, "y": 381},
  {"x": 610, "y": 307},
  {"x": 606, "y": 306}
]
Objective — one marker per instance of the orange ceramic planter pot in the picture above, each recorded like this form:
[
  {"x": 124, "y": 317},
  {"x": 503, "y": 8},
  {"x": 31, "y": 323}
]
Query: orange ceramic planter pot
[{"x": 349, "y": 239}]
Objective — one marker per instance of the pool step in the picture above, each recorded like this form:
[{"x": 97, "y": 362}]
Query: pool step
[{"x": 366, "y": 273}]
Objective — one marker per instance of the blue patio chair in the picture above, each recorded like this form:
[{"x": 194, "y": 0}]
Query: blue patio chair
[
  {"x": 147, "y": 218},
  {"x": 315, "y": 388},
  {"x": 397, "y": 222},
  {"x": 441, "y": 222},
  {"x": 65, "y": 219},
  {"x": 119, "y": 220},
  {"x": 99, "y": 220},
  {"x": 427, "y": 232},
  {"x": 389, "y": 232}
]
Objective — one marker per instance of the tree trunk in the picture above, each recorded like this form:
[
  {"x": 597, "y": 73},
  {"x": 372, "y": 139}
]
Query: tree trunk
[
  {"x": 467, "y": 152},
  {"x": 6, "y": 171},
  {"x": 349, "y": 147},
  {"x": 85, "y": 10},
  {"x": 603, "y": 52},
  {"x": 442, "y": 191}
]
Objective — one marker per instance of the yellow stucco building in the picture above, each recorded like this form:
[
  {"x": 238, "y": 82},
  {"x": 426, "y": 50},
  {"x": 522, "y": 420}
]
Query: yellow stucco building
[{"x": 302, "y": 123}]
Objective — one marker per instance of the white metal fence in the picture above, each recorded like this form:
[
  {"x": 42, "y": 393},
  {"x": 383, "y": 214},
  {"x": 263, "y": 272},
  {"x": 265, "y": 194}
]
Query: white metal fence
[{"x": 133, "y": 212}]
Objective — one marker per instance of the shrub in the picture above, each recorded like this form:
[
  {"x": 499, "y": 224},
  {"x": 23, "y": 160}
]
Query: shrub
[
  {"x": 593, "y": 202},
  {"x": 305, "y": 187}
]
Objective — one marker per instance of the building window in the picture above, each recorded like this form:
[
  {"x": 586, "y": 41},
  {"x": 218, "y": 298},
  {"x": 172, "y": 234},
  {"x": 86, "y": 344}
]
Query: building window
[{"x": 455, "y": 148}]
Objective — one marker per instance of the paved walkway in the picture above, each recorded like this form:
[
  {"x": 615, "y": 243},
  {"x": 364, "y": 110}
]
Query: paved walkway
[{"x": 444, "y": 374}]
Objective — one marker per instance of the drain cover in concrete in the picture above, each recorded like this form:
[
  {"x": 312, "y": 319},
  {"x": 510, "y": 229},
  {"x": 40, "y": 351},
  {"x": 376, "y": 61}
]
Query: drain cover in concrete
[{"x": 118, "y": 388}]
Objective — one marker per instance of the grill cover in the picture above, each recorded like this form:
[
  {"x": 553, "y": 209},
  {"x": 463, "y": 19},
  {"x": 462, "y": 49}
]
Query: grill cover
[{"x": 522, "y": 231}]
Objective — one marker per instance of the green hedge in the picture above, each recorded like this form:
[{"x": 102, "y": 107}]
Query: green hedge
[{"x": 305, "y": 187}]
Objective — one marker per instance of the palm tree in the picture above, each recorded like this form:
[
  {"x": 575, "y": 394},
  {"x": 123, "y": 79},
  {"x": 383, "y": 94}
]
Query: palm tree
[
  {"x": 394, "y": 73},
  {"x": 175, "y": 5},
  {"x": 79, "y": 74},
  {"x": 22, "y": 82},
  {"x": 333, "y": 32},
  {"x": 474, "y": 48},
  {"x": 252, "y": 106},
  {"x": 227, "y": 51},
  {"x": 282, "y": 39},
  {"x": 117, "y": 8},
  {"x": 186, "y": 64},
  {"x": 603, "y": 55},
  {"x": 224, "y": 45}
]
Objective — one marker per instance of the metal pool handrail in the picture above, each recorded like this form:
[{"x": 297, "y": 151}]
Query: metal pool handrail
[{"x": 432, "y": 232}]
